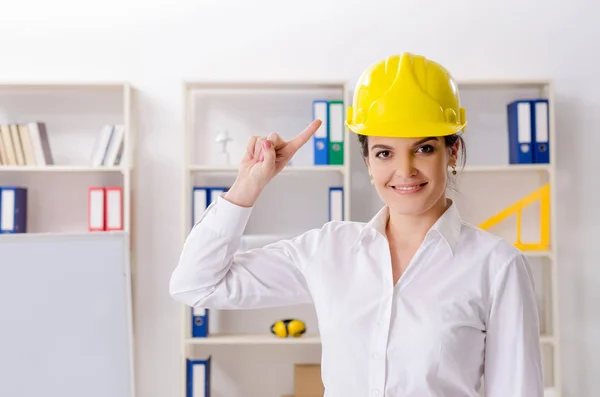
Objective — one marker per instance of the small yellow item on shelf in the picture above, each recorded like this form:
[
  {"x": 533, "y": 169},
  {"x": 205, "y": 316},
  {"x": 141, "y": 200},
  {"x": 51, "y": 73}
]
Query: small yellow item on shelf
[
  {"x": 543, "y": 195},
  {"x": 288, "y": 327}
]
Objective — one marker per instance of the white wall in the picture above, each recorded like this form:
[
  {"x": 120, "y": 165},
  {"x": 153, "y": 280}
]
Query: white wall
[{"x": 155, "y": 46}]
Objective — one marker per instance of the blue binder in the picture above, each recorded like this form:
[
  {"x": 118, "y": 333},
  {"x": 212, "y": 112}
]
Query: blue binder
[
  {"x": 13, "y": 206},
  {"x": 520, "y": 137},
  {"x": 541, "y": 131},
  {"x": 336, "y": 203},
  {"x": 199, "y": 322},
  {"x": 198, "y": 375},
  {"x": 321, "y": 136},
  {"x": 202, "y": 197}
]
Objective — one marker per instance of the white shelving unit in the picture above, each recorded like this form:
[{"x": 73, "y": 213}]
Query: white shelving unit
[
  {"x": 243, "y": 109},
  {"x": 487, "y": 185},
  {"x": 74, "y": 114}
]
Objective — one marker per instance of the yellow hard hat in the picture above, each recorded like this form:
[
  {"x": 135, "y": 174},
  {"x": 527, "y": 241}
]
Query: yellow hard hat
[{"x": 406, "y": 95}]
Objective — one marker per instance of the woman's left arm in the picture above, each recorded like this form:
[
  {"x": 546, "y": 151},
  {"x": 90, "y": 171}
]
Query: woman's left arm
[{"x": 512, "y": 353}]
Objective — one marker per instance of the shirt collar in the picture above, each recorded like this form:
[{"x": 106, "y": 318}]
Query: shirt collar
[{"x": 448, "y": 226}]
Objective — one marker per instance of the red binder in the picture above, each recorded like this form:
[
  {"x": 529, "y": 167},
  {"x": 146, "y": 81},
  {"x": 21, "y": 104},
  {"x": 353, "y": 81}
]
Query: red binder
[
  {"x": 96, "y": 209},
  {"x": 113, "y": 208}
]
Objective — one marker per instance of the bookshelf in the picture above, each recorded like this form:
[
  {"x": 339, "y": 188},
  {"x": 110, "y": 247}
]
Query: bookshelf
[
  {"x": 243, "y": 109},
  {"x": 486, "y": 185},
  {"x": 73, "y": 115}
]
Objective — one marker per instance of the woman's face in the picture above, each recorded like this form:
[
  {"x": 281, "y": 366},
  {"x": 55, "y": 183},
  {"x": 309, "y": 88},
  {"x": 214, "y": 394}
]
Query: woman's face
[{"x": 410, "y": 174}]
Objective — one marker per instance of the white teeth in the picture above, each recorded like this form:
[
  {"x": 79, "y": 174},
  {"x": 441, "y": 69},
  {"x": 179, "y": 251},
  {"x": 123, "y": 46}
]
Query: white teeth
[{"x": 406, "y": 188}]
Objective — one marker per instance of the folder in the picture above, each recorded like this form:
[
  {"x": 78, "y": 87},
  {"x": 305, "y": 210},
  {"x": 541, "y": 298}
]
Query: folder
[
  {"x": 13, "y": 205},
  {"x": 520, "y": 138},
  {"x": 215, "y": 192},
  {"x": 114, "y": 208},
  {"x": 336, "y": 204},
  {"x": 202, "y": 197},
  {"x": 321, "y": 136},
  {"x": 96, "y": 209},
  {"x": 335, "y": 117},
  {"x": 199, "y": 203},
  {"x": 200, "y": 322},
  {"x": 541, "y": 131},
  {"x": 198, "y": 377}
]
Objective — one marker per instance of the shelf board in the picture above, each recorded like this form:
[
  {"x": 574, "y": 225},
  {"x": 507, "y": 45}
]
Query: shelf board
[
  {"x": 234, "y": 168},
  {"x": 268, "y": 339},
  {"x": 507, "y": 168},
  {"x": 538, "y": 254},
  {"x": 502, "y": 83},
  {"x": 73, "y": 234},
  {"x": 60, "y": 168},
  {"x": 257, "y": 339},
  {"x": 265, "y": 85}
]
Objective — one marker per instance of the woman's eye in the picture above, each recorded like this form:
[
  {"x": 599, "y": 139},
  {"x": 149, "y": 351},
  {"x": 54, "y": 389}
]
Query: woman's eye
[
  {"x": 426, "y": 149},
  {"x": 383, "y": 154}
]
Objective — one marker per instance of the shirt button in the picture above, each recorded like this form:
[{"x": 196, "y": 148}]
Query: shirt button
[{"x": 375, "y": 392}]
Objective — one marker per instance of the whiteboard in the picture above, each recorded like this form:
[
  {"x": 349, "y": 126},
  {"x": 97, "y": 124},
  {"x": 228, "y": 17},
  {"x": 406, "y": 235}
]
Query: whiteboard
[{"x": 65, "y": 307}]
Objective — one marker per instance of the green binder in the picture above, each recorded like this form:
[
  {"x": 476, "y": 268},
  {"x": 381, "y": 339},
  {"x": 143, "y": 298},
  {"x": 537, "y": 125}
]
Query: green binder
[{"x": 336, "y": 132}]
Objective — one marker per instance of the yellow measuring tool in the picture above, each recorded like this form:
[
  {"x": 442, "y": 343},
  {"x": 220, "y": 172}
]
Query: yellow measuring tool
[{"x": 543, "y": 195}]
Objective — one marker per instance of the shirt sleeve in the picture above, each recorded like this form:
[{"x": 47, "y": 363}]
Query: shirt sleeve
[
  {"x": 212, "y": 273},
  {"x": 512, "y": 353}
]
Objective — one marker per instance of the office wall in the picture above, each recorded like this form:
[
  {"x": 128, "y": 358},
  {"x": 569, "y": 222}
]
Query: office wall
[{"x": 156, "y": 44}]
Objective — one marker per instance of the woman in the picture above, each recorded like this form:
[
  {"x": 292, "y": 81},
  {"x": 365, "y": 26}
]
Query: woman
[{"x": 414, "y": 303}]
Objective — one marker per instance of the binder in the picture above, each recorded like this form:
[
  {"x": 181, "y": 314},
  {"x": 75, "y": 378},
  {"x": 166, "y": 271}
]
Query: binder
[
  {"x": 96, "y": 209},
  {"x": 541, "y": 131},
  {"x": 321, "y": 136},
  {"x": 202, "y": 197},
  {"x": 200, "y": 322},
  {"x": 13, "y": 202},
  {"x": 336, "y": 203},
  {"x": 199, "y": 203},
  {"x": 215, "y": 192},
  {"x": 335, "y": 117},
  {"x": 520, "y": 138},
  {"x": 198, "y": 377},
  {"x": 114, "y": 208}
]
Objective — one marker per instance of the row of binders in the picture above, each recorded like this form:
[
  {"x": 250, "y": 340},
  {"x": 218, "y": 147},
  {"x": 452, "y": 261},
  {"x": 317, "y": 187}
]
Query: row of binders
[
  {"x": 105, "y": 208},
  {"x": 25, "y": 144},
  {"x": 203, "y": 196},
  {"x": 328, "y": 140},
  {"x": 13, "y": 209},
  {"x": 529, "y": 131}
]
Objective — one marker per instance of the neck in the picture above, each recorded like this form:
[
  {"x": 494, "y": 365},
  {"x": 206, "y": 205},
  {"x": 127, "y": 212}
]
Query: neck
[{"x": 410, "y": 230}]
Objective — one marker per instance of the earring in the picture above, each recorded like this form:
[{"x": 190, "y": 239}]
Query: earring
[
  {"x": 372, "y": 181},
  {"x": 453, "y": 170}
]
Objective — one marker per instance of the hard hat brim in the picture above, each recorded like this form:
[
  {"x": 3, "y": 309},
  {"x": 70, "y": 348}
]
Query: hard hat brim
[{"x": 395, "y": 130}]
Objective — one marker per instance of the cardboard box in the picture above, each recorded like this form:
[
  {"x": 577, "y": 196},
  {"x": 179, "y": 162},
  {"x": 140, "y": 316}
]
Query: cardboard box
[{"x": 307, "y": 381}]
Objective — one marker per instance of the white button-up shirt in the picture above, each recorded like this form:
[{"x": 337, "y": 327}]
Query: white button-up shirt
[{"x": 464, "y": 308}]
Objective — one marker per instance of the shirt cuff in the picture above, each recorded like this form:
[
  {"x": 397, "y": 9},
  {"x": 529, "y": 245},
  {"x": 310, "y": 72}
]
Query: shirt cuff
[{"x": 226, "y": 218}]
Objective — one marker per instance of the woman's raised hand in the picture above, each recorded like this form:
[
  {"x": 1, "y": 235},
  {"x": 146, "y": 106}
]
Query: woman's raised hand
[{"x": 265, "y": 157}]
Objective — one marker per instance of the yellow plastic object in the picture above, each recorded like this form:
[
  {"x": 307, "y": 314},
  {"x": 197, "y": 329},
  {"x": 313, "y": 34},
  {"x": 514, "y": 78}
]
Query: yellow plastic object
[
  {"x": 288, "y": 327},
  {"x": 543, "y": 195},
  {"x": 406, "y": 95}
]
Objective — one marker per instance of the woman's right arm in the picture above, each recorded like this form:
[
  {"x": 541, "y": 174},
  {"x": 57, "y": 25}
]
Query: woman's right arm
[{"x": 212, "y": 274}]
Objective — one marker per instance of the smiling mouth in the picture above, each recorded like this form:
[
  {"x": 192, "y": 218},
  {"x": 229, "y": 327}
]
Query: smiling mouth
[{"x": 410, "y": 188}]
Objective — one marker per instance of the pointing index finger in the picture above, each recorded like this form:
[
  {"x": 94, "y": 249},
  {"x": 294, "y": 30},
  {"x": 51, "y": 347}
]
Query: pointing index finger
[{"x": 305, "y": 135}]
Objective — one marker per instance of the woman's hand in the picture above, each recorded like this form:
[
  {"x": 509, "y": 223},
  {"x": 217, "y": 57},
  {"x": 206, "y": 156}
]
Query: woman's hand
[{"x": 264, "y": 159}]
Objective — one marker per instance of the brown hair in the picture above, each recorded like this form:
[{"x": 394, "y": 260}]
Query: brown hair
[{"x": 449, "y": 140}]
